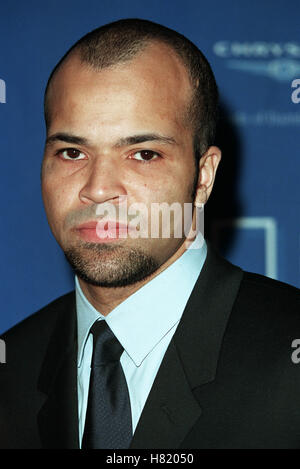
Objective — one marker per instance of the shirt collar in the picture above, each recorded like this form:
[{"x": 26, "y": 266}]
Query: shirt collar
[
  {"x": 86, "y": 316},
  {"x": 144, "y": 318}
]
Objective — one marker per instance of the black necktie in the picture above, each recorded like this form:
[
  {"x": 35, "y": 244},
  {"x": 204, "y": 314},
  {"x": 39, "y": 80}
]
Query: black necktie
[{"x": 108, "y": 422}]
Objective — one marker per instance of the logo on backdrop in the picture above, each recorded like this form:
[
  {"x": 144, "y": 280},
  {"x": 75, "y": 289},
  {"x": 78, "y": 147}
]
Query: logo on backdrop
[
  {"x": 2, "y": 91},
  {"x": 278, "y": 61}
]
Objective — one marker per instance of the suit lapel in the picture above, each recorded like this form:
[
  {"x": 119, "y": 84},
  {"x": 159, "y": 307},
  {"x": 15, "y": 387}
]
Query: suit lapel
[
  {"x": 170, "y": 410},
  {"x": 58, "y": 417},
  {"x": 191, "y": 358}
]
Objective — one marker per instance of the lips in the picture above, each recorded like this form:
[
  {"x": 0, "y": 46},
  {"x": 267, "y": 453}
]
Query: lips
[
  {"x": 90, "y": 225},
  {"x": 101, "y": 231}
]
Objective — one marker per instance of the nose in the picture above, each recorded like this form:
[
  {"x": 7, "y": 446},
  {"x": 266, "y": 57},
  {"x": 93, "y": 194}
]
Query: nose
[{"x": 103, "y": 183}]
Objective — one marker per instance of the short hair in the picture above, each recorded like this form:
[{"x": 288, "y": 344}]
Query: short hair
[{"x": 120, "y": 41}]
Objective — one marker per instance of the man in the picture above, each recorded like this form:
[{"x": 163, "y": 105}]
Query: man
[{"x": 204, "y": 347}]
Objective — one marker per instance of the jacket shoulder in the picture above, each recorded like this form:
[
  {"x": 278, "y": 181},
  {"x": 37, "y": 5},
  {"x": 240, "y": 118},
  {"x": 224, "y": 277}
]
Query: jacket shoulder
[
  {"x": 270, "y": 306},
  {"x": 269, "y": 282},
  {"x": 262, "y": 289},
  {"x": 38, "y": 326}
]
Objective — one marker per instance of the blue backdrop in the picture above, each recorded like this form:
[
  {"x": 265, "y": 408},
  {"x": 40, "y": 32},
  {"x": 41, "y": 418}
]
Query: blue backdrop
[{"x": 253, "y": 214}]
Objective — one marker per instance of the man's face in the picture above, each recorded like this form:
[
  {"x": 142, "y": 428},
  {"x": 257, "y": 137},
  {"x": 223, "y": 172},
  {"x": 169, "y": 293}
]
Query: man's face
[{"x": 117, "y": 137}]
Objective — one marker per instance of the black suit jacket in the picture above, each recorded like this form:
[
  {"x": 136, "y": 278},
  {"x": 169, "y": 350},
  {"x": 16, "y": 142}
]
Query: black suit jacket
[{"x": 227, "y": 379}]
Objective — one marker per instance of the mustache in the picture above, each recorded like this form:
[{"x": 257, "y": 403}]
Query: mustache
[
  {"x": 78, "y": 216},
  {"x": 96, "y": 212}
]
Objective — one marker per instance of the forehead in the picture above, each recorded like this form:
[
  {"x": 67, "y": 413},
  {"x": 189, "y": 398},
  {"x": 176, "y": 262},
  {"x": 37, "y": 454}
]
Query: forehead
[{"x": 154, "y": 85}]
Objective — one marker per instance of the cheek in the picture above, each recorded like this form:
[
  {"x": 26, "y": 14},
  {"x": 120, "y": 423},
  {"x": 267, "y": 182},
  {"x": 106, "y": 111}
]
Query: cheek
[
  {"x": 169, "y": 188},
  {"x": 57, "y": 198}
]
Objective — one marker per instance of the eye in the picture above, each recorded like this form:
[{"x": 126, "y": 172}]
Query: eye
[
  {"x": 70, "y": 154},
  {"x": 145, "y": 155}
]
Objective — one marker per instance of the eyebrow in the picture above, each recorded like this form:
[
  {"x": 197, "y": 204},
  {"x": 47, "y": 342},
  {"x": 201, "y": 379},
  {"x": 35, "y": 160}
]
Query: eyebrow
[
  {"x": 135, "y": 139},
  {"x": 122, "y": 142},
  {"x": 66, "y": 137}
]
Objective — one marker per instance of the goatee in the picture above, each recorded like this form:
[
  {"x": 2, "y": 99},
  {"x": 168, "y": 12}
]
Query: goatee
[{"x": 105, "y": 265}]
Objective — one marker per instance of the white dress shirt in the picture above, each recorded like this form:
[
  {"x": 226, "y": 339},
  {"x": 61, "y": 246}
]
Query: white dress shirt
[{"x": 144, "y": 324}]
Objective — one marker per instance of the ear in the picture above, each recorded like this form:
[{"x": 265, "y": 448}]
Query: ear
[{"x": 208, "y": 166}]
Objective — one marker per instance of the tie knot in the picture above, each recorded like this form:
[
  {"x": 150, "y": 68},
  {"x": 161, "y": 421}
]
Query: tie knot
[{"x": 106, "y": 347}]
